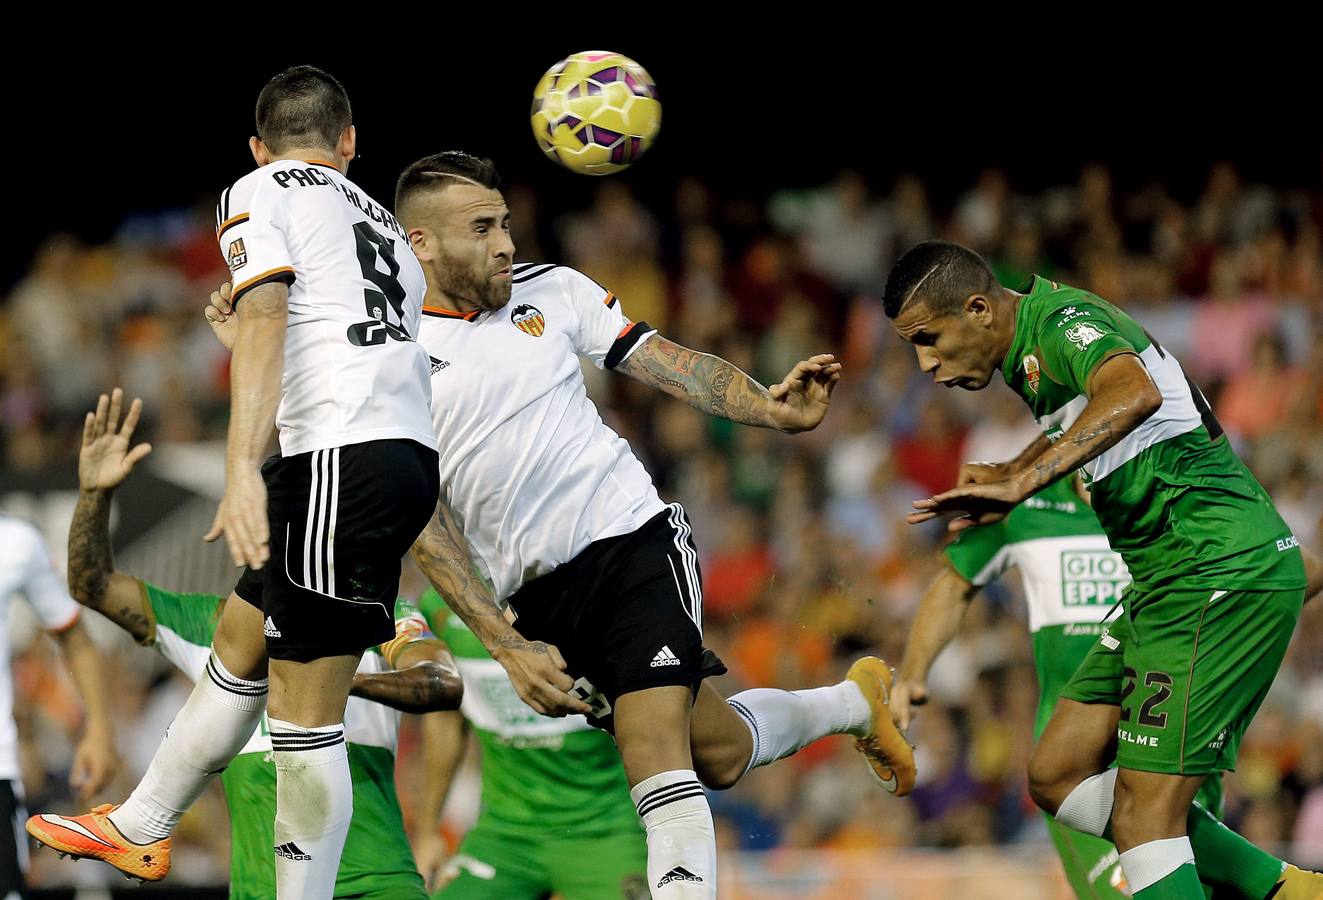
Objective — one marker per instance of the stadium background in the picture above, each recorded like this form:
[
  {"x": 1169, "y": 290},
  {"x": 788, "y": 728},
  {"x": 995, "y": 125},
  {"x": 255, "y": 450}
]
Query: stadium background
[{"x": 760, "y": 227}]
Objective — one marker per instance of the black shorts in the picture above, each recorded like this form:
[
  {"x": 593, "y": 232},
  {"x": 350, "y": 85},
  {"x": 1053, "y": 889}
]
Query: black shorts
[
  {"x": 626, "y": 613},
  {"x": 341, "y": 522},
  {"x": 13, "y": 840}
]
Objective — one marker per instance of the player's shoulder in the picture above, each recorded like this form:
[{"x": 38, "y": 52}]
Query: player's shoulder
[
  {"x": 553, "y": 281},
  {"x": 266, "y": 186}
]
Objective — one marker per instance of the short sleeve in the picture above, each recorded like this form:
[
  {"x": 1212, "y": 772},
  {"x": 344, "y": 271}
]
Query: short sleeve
[
  {"x": 193, "y": 617},
  {"x": 253, "y": 240},
  {"x": 44, "y": 588},
  {"x": 604, "y": 334},
  {"x": 1074, "y": 340},
  {"x": 980, "y": 555}
]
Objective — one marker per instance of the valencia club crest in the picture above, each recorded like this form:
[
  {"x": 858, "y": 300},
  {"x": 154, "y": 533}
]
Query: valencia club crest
[{"x": 528, "y": 319}]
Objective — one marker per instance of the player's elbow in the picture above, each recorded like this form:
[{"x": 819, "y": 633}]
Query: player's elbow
[
  {"x": 445, "y": 688},
  {"x": 1148, "y": 401}
]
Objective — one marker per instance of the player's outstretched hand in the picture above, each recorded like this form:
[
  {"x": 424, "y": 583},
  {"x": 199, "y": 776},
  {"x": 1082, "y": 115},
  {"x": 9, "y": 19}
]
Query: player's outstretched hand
[
  {"x": 220, "y": 316},
  {"x": 105, "y": 459},
  {"x": 905, "y": 695},
  {"x": 980, "y": 504},
  {"x": 242, "y": 518},
  {"x": 799, "y": 402},
  {"x": 537, "y": 671}
]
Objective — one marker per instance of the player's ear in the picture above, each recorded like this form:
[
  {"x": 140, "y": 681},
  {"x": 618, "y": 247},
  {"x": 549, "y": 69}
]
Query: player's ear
[
  {"x": 420, "y": 241},
  {"x": 347, "y": 148},
  {"x": 259, "y": 150},
  {"x": 979, "y": 308}
]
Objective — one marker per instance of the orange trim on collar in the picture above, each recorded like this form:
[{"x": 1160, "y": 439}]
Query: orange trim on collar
[{"x": 450, "y": 313}]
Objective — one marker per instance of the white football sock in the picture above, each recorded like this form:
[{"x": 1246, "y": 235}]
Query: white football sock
[
  {"x": 216, "y": 721},
  {"x": 1088, "y": 808},
  {"x": 785, "y": 722},
  {"x": 1147, "y": 864},
  {"x": 682, "y": 842},
  {"x": 314, "y": 803}
]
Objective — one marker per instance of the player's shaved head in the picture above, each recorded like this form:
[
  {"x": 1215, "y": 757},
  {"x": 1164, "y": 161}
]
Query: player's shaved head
[
  {"x": 302, "y": 108},
  {"x": 938, "y": 274},
  {"x": 436, "y": 173}
]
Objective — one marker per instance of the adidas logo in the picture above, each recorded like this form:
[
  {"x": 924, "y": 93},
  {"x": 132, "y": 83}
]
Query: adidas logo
[
  {"x": 679, "y": 873},
  {"x": 439, "y": 364},
  {"x": 292, "y": 851},
  {"x": 665, "y": 658},
  {"x": 269, "y": 628}
]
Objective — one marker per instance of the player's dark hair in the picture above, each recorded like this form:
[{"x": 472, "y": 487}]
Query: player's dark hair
[
  {"x": 302, "y": 107},
  {"x": 939, "y": 274},
  {"x": 432, "y": 171}
]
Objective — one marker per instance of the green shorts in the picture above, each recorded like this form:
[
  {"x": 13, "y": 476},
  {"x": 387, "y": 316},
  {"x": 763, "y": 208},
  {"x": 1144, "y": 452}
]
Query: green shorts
[
  {"x": 489, "y": 865},
  {"x": 1189, "y": 670}
]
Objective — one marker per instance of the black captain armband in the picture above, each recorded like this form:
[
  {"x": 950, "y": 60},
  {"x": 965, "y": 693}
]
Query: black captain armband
[
  {"x": 630, "y": 337},
  {"x": 284, "y": 274}
]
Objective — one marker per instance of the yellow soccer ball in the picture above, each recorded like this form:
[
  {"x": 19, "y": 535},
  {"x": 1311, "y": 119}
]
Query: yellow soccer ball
[{"x": 596, "y": 112}]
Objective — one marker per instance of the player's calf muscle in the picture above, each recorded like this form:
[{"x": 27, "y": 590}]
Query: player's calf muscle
[{"x": 1151, "y": 806}]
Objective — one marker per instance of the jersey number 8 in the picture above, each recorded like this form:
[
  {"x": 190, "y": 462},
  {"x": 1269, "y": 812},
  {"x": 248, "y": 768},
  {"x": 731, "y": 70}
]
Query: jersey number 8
[{"x": 388, "y": 293}]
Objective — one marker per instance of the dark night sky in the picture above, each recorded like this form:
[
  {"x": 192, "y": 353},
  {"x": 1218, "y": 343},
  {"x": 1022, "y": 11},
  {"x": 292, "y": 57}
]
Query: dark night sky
[{"x": 95, "y": 137}]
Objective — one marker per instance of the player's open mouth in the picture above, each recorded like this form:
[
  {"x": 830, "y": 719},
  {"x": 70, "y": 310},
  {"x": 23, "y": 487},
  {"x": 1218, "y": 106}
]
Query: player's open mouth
[{"x": 504, "y": 273}]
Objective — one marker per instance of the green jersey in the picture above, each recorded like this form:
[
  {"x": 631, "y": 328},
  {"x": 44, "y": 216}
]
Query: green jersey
[
  {"x": 377, "y": 861},
  {"x": 1173, "y": 498},
  {"x": 541, "y": 777},
  {"x": 1071, "y": 578}
]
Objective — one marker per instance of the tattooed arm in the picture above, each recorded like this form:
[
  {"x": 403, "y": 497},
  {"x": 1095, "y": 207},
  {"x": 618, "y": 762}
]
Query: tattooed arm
[
  {"x": 716, "y": 387},
  {"x": 536, "y": 669},
  {"x": 423, "y": 679},
  {"x": 1122, "y": 396},
  {"x": 104, "y": 461}
]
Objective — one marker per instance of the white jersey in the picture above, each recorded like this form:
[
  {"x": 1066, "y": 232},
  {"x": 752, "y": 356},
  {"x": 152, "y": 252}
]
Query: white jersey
[
  {"x": 353, "y": 369},
  {"x": 26, "y": 568},
  {"x": 532, "y": 473}
]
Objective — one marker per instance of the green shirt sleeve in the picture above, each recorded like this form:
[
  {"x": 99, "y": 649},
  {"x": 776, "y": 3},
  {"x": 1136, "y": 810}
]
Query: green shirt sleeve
[
  {"x": 980, "y": 555},
  {"x": 191, "y": 616},
  {"x": 1075, "y": 339}
]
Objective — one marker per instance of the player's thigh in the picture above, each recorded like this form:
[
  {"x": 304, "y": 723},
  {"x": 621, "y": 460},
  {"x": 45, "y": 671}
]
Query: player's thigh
[
  {"x": 603, "y": 867},
  {"x": 1196, "y": 670},
  {"x": 719, "y": 739},
  {"x": 1078, "y": 743},
  {"x": 238, "y": 639},
  {"x": 311, "y": 694},
  {"x": 652, "y": 731},
  {"x": 1092, "y": 865},
  {"x": 487, "y": 866}
]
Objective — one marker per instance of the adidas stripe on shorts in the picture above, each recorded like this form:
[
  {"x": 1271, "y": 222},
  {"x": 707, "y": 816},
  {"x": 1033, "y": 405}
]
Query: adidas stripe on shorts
[
  {"x": 626, "y": 613},
  {"x": 341, "y": 521}
]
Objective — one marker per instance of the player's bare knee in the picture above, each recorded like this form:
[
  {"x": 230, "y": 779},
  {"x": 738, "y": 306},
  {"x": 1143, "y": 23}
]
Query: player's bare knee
[
  {"x": 1050, "y": 782},
  {"x": 238, "y": 640},
  {"x": 720, "y": 770}
]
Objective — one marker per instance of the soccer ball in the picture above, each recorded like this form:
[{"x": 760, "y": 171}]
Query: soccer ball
[{"x": 596, "y": 112}]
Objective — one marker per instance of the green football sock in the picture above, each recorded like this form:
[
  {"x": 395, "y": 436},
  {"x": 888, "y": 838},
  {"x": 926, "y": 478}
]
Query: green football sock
[
  {"x": 1183, "y": 884},
  {"x": 1224, "y": 857}
]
